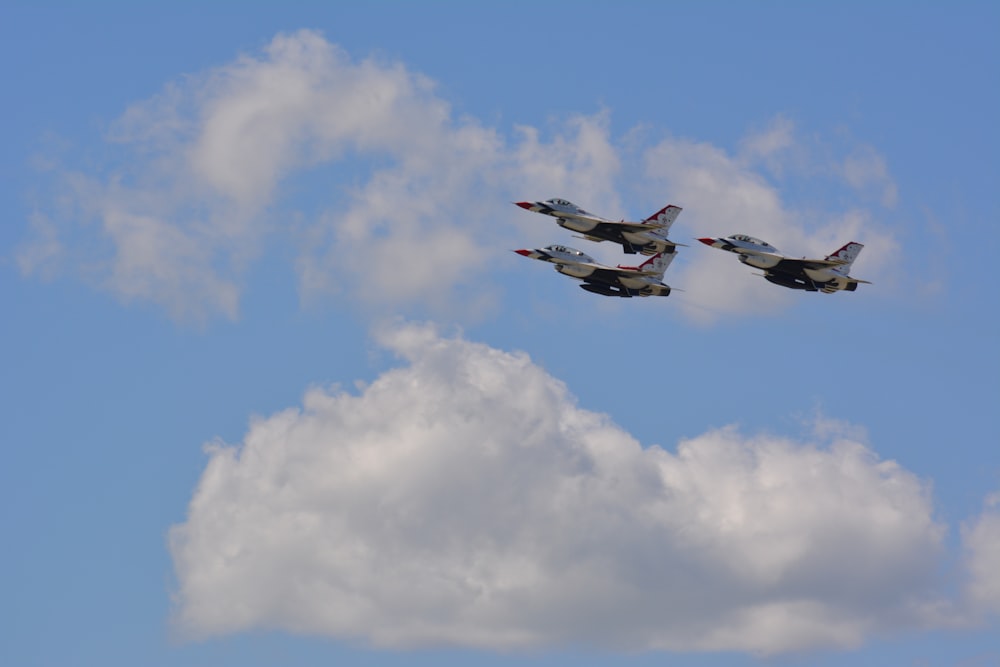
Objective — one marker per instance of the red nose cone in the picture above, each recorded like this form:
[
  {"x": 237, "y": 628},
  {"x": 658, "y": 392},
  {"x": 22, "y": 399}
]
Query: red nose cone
[
  {"x": 708, "y": 241},
  {"x": 526, "y": 253},
  {"x": 524, "y": 204}
]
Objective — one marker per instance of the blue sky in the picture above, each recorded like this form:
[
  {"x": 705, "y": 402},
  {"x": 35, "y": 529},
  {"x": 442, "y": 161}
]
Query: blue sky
[{"x": 276, "y": 391}]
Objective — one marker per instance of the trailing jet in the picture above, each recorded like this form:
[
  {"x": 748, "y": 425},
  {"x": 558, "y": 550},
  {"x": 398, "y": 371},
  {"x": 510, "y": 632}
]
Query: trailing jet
[
  {"x": 624, "y": 281},
  {"x": 647, "y": 237},
  {"x": 827, "y": 275}
]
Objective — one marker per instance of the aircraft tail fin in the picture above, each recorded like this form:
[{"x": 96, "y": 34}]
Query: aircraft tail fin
[
  {"x": 664, "y": 218},
  {"x": 658, "y": 263},
  {"x": 846, "y": 256}
]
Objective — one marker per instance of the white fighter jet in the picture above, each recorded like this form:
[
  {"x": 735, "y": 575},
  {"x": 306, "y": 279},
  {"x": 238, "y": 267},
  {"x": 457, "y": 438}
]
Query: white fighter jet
[
  {"x": 647, "y": 237},
  {"x": 826, "y": 275},
  {"x": 624, "y": 281}
]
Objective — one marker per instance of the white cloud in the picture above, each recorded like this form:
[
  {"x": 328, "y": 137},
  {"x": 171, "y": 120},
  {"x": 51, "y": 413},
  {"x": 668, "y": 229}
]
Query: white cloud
[
  {"x": 722, "y": 195},
  {"x": 436, "y": 220},
  {"x": 865, "y": 170},
  {"x": 725, "y": 194},
  {"x": 45, "y": 251},
  {"x": 199, "y": 191},
  {"x": 981, "y": 539},
  {"x": 769, "y": 144},
  {"x": 465, "y": 499}
]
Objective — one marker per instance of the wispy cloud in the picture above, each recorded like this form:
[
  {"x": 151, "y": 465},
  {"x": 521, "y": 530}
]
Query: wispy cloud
[
  {"x": 727, "y": 193},
  {"x": 769, "y": 144},
  {"x": 464, "y": 499},
  {"x": 865, "y": 169},
  {"x": 198, "y": 191},
  {"x": 395, "y": 200}
]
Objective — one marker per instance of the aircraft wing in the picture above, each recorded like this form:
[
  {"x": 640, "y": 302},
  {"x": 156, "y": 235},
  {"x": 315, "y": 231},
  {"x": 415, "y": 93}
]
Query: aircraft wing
[
  {"x": 630, "y": 226},
  {"x": 810, "y": 263},
  {"x": 609, "y": 272},
  {"x": 628, "y": 271}
]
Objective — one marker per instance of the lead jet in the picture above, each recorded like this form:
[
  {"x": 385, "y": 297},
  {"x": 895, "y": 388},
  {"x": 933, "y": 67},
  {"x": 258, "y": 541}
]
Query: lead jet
[
  {"x": 648, "y": 237},
  {"x": 623, "y": 281},
  {"x": 827, "y": 275}
]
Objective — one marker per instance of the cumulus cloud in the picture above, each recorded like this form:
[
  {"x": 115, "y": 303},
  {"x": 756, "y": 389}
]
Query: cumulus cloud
[
  {"x": 464, "y": 499},
  {"x": 981, "y": 539}
]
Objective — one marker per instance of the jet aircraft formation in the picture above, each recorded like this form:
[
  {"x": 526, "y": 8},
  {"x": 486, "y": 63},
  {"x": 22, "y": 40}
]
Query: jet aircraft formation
[{"x": 649, "y": 237}]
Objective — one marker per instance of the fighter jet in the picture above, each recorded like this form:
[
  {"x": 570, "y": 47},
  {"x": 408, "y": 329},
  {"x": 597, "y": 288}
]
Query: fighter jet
[
  {"x": 622, "y": 281},
  {"x": 647, "y": 237},
  {"x": 826, "y": 275}
]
